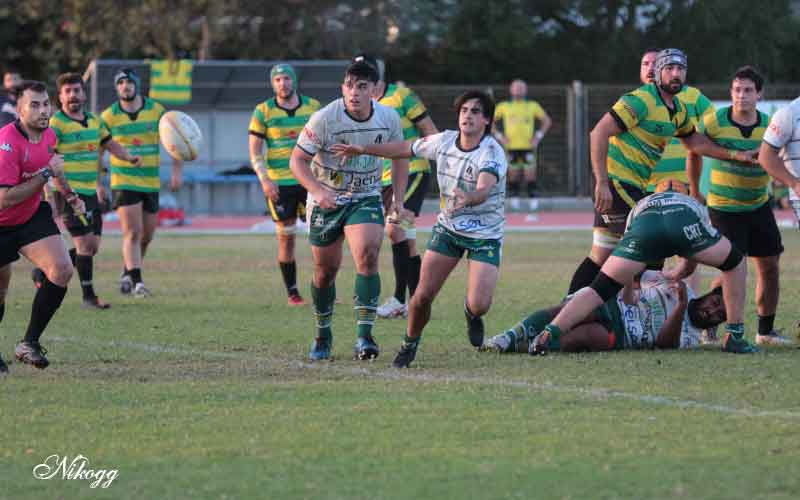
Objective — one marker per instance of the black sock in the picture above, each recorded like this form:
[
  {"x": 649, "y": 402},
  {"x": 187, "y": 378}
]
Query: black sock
[
  {"x": 84, "y": 265},
  {"x": 2, "y": 310},
  {"x": 513, "y": 188},
  {"x": 766, "y": 324},
  {"x": 289, "y": 272},
  {"x": 414, "y": 264},
  {"x": 73, "y": 255},
  {"x": 400, "y": 260},
  {"x": 45, "y": 303},
  {"x": 136, "y": 275},
  {"x": 532, "y": 189},
  {"x": 584, "y": 275}
]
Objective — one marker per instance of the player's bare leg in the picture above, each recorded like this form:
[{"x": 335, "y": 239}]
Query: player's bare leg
[
  {"x": 365, "y": 241},
  {"x": 767, "y": 297},
  {"x": 482, "y": 282},
  {"x": 5, "y": 279},
  {"x": 285, "y": 231},
  {"x": 132, "y": 225}
]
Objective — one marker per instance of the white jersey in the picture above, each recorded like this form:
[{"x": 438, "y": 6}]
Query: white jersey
[
  {"x": 458, "y": 168},
  {"x": 656, "y": 302},
  {"x": 784, "y": 133},
  {"x": 357, "y": 177}
]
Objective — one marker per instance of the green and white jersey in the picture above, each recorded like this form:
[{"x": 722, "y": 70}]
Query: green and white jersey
[
  {"x": 357, "y": 177},
  {"x": 456, "y": 167},
  {"x": 645, "y": 319}
]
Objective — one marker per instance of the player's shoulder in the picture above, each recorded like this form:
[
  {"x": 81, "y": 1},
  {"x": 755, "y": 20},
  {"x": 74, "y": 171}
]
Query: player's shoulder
[
  {"x": 310, "y": 102},
  {"x": 492, "y": 149},
  {"x": 108, "y": 113},
  {"x": 690, "y": 93},
  {"x": 384, "y": 112},
  {"x": 59, "y": 119},
  {"x": 152, "y": 104}
]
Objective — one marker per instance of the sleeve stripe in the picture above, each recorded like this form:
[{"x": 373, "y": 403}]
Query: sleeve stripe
[
  {"x": 618, "y": 119},
  {"x": 490, "y": 171},
  {"x": 257, "y": 134},
  {"x": 422, "y": 116},
  {"x": 771, "y": 145},
  {"x": 103, "y": 141},
  {"x": 304, "y": 150},
  {"x": 687, "y": 134}
]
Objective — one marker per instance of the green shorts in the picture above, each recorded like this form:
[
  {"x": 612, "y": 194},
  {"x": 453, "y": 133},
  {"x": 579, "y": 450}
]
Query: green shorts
[
  {"x": 448, "y": 243},
  {"x": 327, "y": 226},
  {"x": 658, "y": 232}
]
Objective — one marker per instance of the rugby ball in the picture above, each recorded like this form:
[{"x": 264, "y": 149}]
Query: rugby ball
[{"x": 180, "y": 135}]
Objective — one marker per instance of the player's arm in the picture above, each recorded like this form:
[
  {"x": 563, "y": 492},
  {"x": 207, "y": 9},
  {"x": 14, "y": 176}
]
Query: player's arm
[
  {"x": 119, "y": 151},
  {"x": 426, "y": 127},
  {"x": 13, "y": 195},
  {"x": 300, "y": 165},
  {"x": 770, "y": 159},
  {"x": 399, "y": 185},
  {"x": 607, "y": 127},
  {"x": 486, "y": 181},
  {"x": 257, "y": 156},
  {"x": 683, "y": 269},
  {"x": 176, "y": 180},
  {"x": 391, "y": 150},
  {"x": 694, "y": 168},
  {"x": 702, "y": 145},
  {"x": 546, "y": 123},
  {"x": 669, "y": 337}
]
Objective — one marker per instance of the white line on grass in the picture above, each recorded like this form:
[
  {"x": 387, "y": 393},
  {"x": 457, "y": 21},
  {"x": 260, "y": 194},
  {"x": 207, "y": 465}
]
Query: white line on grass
[{"x": 395, "y": 374}]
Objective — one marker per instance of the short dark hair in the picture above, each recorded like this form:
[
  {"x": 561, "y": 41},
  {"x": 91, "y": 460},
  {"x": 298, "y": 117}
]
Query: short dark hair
[
  {"x": 11, "y": 70},
  {"x": 749, "y": 73},
  {"x": 32, "y": 85},
  {"x": 361, "y": 70},
  {"x": 487, "y": 104},
  {"x": 68, "y": 79},
  {"x": 651, "y": 49}
]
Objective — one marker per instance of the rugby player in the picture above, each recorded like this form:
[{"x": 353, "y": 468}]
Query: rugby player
[
  {"x": 521, "y": 139},
  {"x": 738, "y": 198},
  {"x": 471, "y": 169},
  {"x": 278, "y": 122},
  {"x": 28, "y": 159},
  {"x": 133, "y": 122},
  {"x": 657, "y": 314},
  {"x": 345, "y": 202}
]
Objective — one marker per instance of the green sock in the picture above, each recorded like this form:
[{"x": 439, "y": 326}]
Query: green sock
[
  {"x": 411, "y": 341},
  {"x": 323, "y": 309},
  {"x": 735, "y": 329},
  {"x": 367, "y": 293},
  {"x": 536, "y": 322},
  {"x": 554, "y": 331}
]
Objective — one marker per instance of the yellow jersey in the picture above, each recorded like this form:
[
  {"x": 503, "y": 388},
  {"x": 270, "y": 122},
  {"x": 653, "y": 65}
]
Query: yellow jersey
[{"x": 519, "y": 122}]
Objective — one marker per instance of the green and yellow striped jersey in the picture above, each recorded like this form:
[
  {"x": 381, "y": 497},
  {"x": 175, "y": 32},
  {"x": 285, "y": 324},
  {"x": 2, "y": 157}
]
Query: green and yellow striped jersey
[
  {"x": 736, "y": 187},
  {"x": 79, "y": 142},
  {"x": 673, "y": 161},
  {"x": 171, "y": 81},
  {"x": 411, "y": 110},
  {"x": 648, "y": 126},
  {"x": 280, "y": 128},
  {"x": 138, "y": 132}
]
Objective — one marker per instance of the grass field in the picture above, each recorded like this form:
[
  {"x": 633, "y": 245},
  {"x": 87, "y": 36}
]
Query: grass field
[{"x": 204, "y": 391}]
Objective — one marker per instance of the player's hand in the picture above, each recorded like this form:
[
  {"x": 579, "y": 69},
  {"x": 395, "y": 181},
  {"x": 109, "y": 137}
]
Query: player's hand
[
  {"x": 602, "y": 197},
  {"x": 399, "y": 216},
  {"x": 102, "y": 192},
  {"x": 325, "y": 198},
  {"x": 679, "y": 287},
  {"x": 270, "y": 190},
  {"x": 175, "y": 181},
  {"x": 347, "y": 150},
  {"x": 77, "y": 204},
  {"x": 750, "y": 156},
  {"x": 458, "y": 200},
  {"x": 796, "y": 187},
  {"x": 697, "y": 195},
  {"x": 535, "y": 143},
  {"x": 135, "y": 160},
  {"x": 56, "y": 164}
]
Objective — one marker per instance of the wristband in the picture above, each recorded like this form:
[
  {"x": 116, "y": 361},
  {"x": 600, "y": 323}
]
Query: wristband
[
  {"x": 69, "y": 196},
  {"x": 46, "y": 173},
  {"x": 539, "y": 135},
  {"x": 258, "y": 166}
]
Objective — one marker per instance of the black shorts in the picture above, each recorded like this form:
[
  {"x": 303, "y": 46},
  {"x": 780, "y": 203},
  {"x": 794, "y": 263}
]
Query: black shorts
[
  {"x": 623, "y": 198},
  {"x": 94, "y": 218},
  {"x": 522, "y": 158},
  {"x": 755, "y": 233},
  {"x": 416, "y": 189},
  {"x": 126, "y": 197},
  {"x": 291, "y": 203},
  {"x": 12, "y": 238}
]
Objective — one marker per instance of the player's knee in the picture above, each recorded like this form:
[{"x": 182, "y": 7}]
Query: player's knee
[
  {"x": 733, "y": 259},
  {"x": 59, "y": 273},
  {"x": 368, "y": 259},
  {"x": 422, "y": 297},
  {"x": 133, "y": 234},
  {"x": 605, "y": 286},
  {"x": 324, "y": 276},
  {"x": 603, "y": 242},
  {"x": 286, "y": 230},
  {"x": 479, "y": 306}
]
